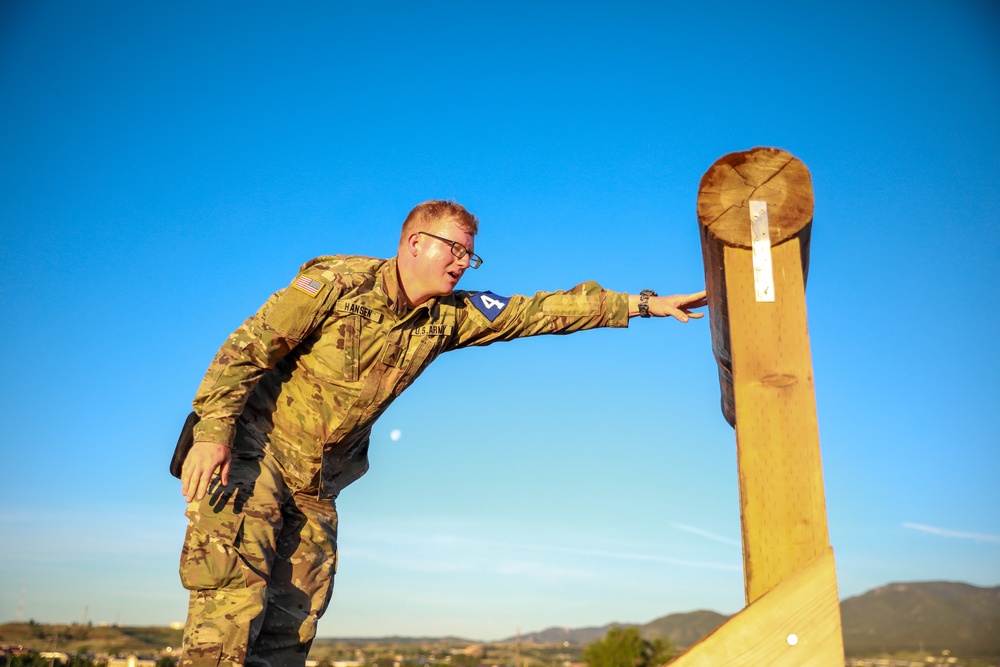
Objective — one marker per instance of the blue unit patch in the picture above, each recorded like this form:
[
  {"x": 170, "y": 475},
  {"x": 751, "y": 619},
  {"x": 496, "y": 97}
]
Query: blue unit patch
[{"x": 489, "y": 304}]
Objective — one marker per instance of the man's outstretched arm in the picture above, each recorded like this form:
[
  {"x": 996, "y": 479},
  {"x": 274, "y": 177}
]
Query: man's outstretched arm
[{"x": 678, "y": 306}]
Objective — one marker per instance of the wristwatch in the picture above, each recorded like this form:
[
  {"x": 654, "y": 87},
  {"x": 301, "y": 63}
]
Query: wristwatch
[{"x": 644, "y": 301}]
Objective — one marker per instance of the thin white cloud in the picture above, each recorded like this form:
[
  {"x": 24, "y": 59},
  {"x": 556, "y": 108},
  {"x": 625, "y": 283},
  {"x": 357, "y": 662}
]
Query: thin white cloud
[
  {"x": 542, "y": 571},
  {"x": 656, "y": 558},
  {"x": 704, "y": 533},
  {"x": 479, "y": 550},
  {"x": 409, "y": 562},
  {"x": 945, "y": 532}
]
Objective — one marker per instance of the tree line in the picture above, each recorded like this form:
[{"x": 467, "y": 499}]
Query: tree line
[{"x": 625, "y": 647}]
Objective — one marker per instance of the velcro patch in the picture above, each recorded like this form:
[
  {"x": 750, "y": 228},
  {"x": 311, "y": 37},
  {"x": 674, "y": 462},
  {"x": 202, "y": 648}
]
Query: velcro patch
[
  {"x": 308, "y": 285},
  {"x": 489, "y": 304}
]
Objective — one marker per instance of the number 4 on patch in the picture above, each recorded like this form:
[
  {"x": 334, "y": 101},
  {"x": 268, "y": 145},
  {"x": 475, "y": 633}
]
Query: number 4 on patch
[{"x": 489, "y": 304}]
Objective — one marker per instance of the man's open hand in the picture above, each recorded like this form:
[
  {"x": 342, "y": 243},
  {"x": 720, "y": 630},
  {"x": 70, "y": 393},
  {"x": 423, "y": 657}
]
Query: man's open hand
[
  {"x": 201, "y": 464},
  {"x": 678, "y": 306}
]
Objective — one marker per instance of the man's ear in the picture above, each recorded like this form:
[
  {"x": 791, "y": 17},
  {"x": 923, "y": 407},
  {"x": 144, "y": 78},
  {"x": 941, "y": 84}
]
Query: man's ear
[{"x": 412, "y": 241}]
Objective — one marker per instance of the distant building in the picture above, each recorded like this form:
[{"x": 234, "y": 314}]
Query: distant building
[{"x": 131, "y": 661}]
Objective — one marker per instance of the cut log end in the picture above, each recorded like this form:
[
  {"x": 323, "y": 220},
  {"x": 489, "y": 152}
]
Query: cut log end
[{"x": 761, "y": 174}]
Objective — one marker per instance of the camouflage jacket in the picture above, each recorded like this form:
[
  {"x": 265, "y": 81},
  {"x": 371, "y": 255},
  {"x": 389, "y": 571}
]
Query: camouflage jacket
[{"x": 306, "y": 377}]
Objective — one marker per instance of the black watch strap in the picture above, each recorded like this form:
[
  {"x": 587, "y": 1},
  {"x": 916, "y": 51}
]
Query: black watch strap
[{"x": 644, "y": 301}]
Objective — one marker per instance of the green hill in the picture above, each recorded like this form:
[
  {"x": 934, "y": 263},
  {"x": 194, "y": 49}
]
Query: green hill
[
  {"x": 900, "y": 618},
  {"x": 921, "y": 617},
  {"x": 683, "y": 630},
  {"x": 76, "y": 638},
  {"x": 926, "y": 616}
]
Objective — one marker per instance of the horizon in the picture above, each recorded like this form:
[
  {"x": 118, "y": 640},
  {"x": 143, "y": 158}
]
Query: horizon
[
  {"x": 178, "y": 625},
  {"x": 168, "y": 167}
]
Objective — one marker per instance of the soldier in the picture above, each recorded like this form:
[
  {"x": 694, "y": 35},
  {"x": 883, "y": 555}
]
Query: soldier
[{"x": 287, "y": 406}]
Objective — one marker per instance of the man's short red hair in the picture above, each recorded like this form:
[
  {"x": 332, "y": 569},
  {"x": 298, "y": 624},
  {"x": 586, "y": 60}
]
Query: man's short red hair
[{"x": 424, "y": 215}]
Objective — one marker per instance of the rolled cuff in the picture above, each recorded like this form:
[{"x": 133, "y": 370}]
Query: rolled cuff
[
  {"x": 211, "y": 430},
  {"x": 617, "y": 308}
]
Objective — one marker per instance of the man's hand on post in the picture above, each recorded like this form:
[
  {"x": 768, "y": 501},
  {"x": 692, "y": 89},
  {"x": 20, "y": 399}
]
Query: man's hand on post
[
  {"x": 678, "y": 306},
  {"x": 201, "y": 464}
]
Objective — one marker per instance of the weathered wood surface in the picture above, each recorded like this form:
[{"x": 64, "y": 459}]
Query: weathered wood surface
[
  {"x": 782, "y": 503},
  {"x": 763, "y": 174},
  {"x": 765, "y": 370},
  {"x": 764, "y": 347},
  {"x": 796, "y": 624}
]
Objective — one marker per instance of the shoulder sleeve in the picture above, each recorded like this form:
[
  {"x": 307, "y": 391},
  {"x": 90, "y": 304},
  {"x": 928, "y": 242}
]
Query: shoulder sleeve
[
  {"x": 484, "y": 317},
  {"x": 284, "y": 320}
]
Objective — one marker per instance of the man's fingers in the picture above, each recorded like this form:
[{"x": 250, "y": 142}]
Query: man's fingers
[
  {"x": 191, "y": 490},
  {"x": 682, "y": 305},
  {"x": 191, "y": 477},
  {"x": 677, "y": 313},
  {"x": 203, "y": 483},
  {"x": 186, "y": 480},
  {"x": 696, "y": 300},
  {"x": 197, "y": 482},
  {"x": 203, "y": 461}
]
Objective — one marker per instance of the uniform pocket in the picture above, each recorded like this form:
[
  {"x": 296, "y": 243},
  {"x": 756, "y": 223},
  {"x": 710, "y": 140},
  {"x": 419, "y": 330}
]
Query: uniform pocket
[
  {"x": 570, "y": 305},
  {"x": 297, "y": 308},
  {"x": 209, "y": 559},
  {"x": 351, "y": 332}
]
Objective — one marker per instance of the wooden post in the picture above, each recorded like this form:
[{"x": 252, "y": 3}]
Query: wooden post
[
  {"x": 755, "y": 212},
  {"x": 772, "y": 401},
  {"x": 724, "y": 196}
]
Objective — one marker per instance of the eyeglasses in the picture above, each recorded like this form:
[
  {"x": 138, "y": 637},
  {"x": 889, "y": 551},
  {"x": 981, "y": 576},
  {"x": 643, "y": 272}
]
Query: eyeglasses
[{"x": 458, "y": 250}]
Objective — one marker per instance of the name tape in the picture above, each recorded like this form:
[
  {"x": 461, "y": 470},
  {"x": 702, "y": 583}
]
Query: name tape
[{"x": 358, "y": 309}]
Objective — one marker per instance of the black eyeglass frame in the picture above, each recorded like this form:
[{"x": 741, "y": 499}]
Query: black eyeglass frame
[{"x": 458, "y": 250}]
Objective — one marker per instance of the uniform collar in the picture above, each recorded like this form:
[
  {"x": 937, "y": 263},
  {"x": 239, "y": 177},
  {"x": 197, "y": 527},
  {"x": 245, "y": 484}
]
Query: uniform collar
[{"x": 389, "y": 277}]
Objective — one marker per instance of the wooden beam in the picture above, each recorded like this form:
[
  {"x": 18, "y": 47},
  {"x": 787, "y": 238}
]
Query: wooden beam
[
  {"x": 782, "y": 503},
  {"x": 765, "y": 366},
  {"x": 755, "y": 210},
  {"x": 796, "y": 624}
]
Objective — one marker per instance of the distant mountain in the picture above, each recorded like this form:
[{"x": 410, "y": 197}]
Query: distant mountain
[
  {"x": 581, "y": 636},
  {"x": 682, "y": 630},
  {"x": 932, "y": 616},
  {"x": 73, "y": 638}
]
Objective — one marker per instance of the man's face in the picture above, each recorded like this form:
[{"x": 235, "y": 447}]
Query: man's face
[{"x": 438, "y": 267}]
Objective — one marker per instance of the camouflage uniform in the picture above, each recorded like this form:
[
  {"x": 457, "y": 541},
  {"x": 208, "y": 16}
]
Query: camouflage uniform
[{"x": 295, "y": 391}]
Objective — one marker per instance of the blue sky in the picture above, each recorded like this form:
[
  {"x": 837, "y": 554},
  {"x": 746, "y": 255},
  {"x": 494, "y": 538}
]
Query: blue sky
[{"x": 166, "y": 166}]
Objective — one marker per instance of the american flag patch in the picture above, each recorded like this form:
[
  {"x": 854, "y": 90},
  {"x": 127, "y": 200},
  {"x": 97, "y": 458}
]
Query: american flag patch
[{"x": 307, "y": 285}]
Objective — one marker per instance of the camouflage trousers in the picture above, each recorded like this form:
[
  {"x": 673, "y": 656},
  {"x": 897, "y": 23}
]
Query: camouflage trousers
[{"x": 259, "y": 563}]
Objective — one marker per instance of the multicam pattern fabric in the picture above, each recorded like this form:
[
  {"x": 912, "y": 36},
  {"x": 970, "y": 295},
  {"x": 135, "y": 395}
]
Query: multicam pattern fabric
[
  {"x": 309, "y": 375},
  {"x": 259, "y": 562},
  {"x": 295, "y": 391}
]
